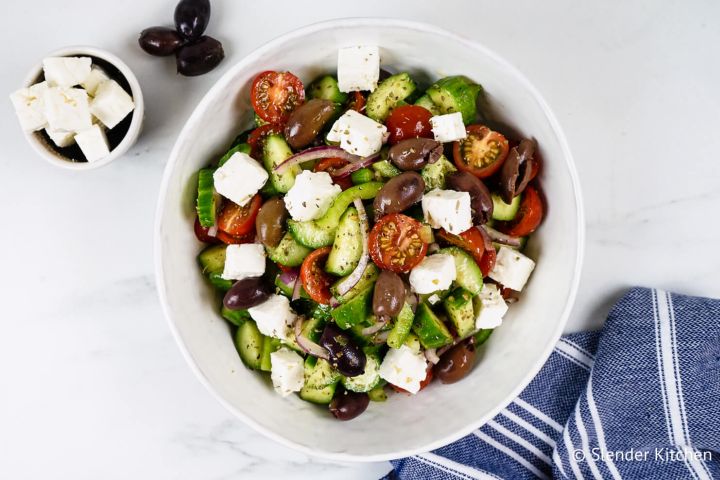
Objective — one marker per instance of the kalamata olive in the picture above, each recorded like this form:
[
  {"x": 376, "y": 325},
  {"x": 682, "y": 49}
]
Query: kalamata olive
[
  {"x": 398, "y": 193},
  {"x": 415, "y": 153},
  {"x": 247, "y": 293},
  {"x": 456, "y": 363},
  {"x": 348, "y": 405},
  {"x": 192, "y": 17},
  {"x": 160, "y": 41},
  {"x": 480, "y": 200},
  {"x": 389, "y": 294},
  {"x": 199, "y": 57},
  {"x": 306, "y": 121},
  {"x": 345, "y": 355},
  {"x": 517, "y": 170},
  {"x": 270, "y": 222}
]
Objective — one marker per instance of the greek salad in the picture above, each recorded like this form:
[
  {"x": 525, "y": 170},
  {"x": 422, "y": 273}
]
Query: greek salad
[{"x": 367, "y": 235}]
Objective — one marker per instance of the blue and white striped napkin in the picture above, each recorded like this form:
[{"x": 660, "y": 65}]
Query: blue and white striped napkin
[{"x": 639, "y": 399}]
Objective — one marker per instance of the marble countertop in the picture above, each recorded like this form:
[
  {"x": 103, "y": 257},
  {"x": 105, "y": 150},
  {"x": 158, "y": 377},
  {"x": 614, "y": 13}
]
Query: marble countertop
[{"x": 92, "y": 384}]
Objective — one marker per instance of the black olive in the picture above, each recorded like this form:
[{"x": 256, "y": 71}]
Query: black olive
[
  {"x": 481, "y": 202},
  {"x": 160, "y": 41},
  {"x": 345, "y": 355},
  {"x": 247, "y": 293},
  {"x": 348, "y": 405},
  {"x": 192, "y": 17},
  {"x": 199, "y": 57},
  {"x": 456, "y": 363},
  {"x": 398, "y": 194},
  {"x": 517, "y": 170},
  {"x": 415, "y": 153},
  {"x": 389, "y": 294}
]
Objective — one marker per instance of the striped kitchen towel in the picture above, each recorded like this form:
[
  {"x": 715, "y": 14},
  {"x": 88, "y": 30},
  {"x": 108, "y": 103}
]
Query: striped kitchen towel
[{"x": 640, "y": 400}]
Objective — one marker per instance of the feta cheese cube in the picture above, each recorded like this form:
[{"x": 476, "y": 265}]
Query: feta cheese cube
[
  {"x": 358, "y": 68},
  {"x": 490, "y": 307},
  {"x": 93, "y": 143},
  {"x": 29, "y": 106},
  {"x": 61, "y": 138},
  {"x": 240, "y": 178},
  {"x": 66, "y": 71},
  {"x": 111, "y": 103},
  {"x": 404, "y": 368},
  {"x": 311, "y": 195},
  {"x": 448, "y": 209},
  {"x": 358, "y": 134},
  {"x": 448, "y": 128},
  {"x": 67, "y": 109},
  {"x": 287, "y": 371},
  {"x": 243, "y": 261},
  {"x": 94, "y": 79},
  {"x": 435, "y": 272},
  {"x": 434, "y": 299},
  {"x": 274, "y": 317},
  {"x": 512, "y": 268}
]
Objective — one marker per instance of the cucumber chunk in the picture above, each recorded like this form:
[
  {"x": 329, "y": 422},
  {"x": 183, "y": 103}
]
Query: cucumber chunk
[
  {"x": 363, "y": 175},
  {"x": 207, "y": 198},
  {"x": 483, "y": 335},
  {"x": 431, "y": 331},
  {"x": 435, "y": 174},
  {"x": 378, "y": 393},
  {"x": 401, "y": 329},
  {"x": 387, "y": 95},
  {"x": 242, "y": 147},
  {"x": 459, "y": 307},
  {"x": 425, "y": 102},
  {"x": 370, "y": 377},
  {"x": 326, "y": 88},
  {"x": 347, "y": 247},
  {"x": 413, "y": 343},
  {"x": 288, "y": 252},
  {"x": 505, "y": 211},
  {"x": 249, "y": 344},
  {"x": 276, "y": 151},
  {"x": 321, "y": 380},
  {"x": 386, "y": 169},
  {"x": 236, "y": 317},
  {"x": 367, "y": 280},
  {"x": 355, "y": 311},
  {"x": 456, "y": 94},
  {"x": 269, "y": 346},
  {"x": 212, "y": 263},
  {"x": 469, "y": 275}
]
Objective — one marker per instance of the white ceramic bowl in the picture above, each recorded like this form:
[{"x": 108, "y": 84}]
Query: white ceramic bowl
[
  {"x": 43, "y": 145},
  {"x": 442, "y": 413}
]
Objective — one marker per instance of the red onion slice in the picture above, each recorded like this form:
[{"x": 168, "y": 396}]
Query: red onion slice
[
  {"x": 431, "y": 355},
  {"x": 502, "y": 238},
  {"x": 316, "y": 153},
  {"x": 352, "y": 279},
  {"x": 381, "y": 337},
  {"x": 289, "y": 276},
  {"x": 212, "y": 231},
  {"x": 296, "y": 289},
  {"x": 354, "y": 166},
  {"x": 376, "y": 327},
  {"x": 308, "y": 346}
]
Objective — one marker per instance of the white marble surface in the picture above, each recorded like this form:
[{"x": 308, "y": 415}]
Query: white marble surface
[{"x": 91, "y": 383}]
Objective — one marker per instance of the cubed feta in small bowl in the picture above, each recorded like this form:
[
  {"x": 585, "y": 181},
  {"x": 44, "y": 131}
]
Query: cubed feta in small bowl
[{"x": 80, "y": 108}]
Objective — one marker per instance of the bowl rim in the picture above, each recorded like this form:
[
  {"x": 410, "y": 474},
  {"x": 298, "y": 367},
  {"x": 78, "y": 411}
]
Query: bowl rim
[
  {"x": 193, "y": 120},
  {"x": 138, "y": 113}
]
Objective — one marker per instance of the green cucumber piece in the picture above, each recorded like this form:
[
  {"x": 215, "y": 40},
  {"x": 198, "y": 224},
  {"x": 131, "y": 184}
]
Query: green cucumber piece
[
  {"x": 369, "y": 379},
  {"x": 431, "y": 331},
  {"x": 212, "y": 263},
  {"x": 217, "y": 281},
  {"x": 326, "y": 88},
  {"x": 367, "y": 280},
  {"x": 402, "y": 327},
  {"x": 469, "y": 276},
  {"x": 435, "y": 174},
  {"x": 387, "y": 95},
  {"x": 242, "y": 147},
  {"x": 320, "y": 396},
  {"x": 413, "y": 343},
  {"x": 505, "y": 211},
  {"x": 386, "y": 169},
  {"x": 425, "y": 102},
  {"x": 347, "y": 247},
  {"x": 482, "y": 336},
  {"x": 456, "y": 94},
  {"x": 321, "y": 232},
  {"x": 249, "y": 344},
  {"x": 378, "y": 393},
  {"x": 207, "y": 198},
  {"x": 269, "y": 346},
  {"x": 259, "y": 122},
  {"x": 276, "y": 151},
  {"x": 355, "y": 311},
  {"x": 236, "y": 317},
  {"x": 288, "y": 252},
  {"x": 313, "y": 328},
  {"x": 459, "y": 307},
  {"x": 363, "y": 175},
  {"x": 321, "y": 380}
]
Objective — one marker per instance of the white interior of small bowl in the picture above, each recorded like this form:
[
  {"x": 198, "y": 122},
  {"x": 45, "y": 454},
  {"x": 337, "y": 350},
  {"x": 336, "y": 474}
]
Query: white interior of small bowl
[{"x": 403, "y": 424}]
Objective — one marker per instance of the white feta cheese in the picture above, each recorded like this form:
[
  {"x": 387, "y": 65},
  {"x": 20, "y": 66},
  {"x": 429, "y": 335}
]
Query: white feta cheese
[
  {"x": 61, "y": 138},
  {"x": 111, "y": 103},
  {"x": 311, "y": 195},
  {"x": 243, "y": 261},
  {"x": 240, "y": 178},
  {"x": 67, "y": 109},
  {"x": 93, "y": 143},
  {"x": 435, "y": 272},
  {"x": 434, "y": 299},
  {"x": 448, "y": 209},
  {"x": 66, "y": 71},
  {"x": 358, "y": 68},
  {"x": 29, "y": 106},
  {"x": 404, "y": 368},
  {"x": 94, "y": 79},
  {"x": 287, "y": 372},
  {"x": 448, "y": 128},
  {"x": 274, "y": 317},
  {"x": 512, "y": 268},
  {"x": 358, "y": 134},
  {"x": 490, "y": 307}
]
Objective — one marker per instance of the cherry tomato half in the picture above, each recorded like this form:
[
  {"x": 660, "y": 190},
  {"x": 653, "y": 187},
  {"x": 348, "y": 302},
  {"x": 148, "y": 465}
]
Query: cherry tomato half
[
  {"x": 409, "y": 121},
  {"x": 202, "y": 233},
  {"x": 529, "y": 215},
  {"x": 396, "y": 243},
  {"x": 476, "y": 243},
  {"x": 274, "y": 95},
  {"x": 236, "y": 240},
  {"x": 236, "y": 220},
  {"x": 329, "y": 165},
  {"x": 257, "y": 138},
  {"x": 423, "y": 384},
  {"x": 315, "y": 280},
  {"x": 482, "y": 153},
  {"x": 357, "y": 102}
]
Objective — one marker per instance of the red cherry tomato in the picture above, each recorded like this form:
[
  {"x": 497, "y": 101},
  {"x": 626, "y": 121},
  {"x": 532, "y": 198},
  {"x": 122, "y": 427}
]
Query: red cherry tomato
[
  {"x": 423, "y": 384},
  {"x": 314, "y": 278},
  {"x": 330, "y": 165},
  {"x": 233, "y": 240},
  {"x": 529, "y": 215},
  {"x": 274, "y": 95},
  {"x": 409, "y": 121},
  {"x": 476, "y": 243},
  {"x": 257, "y": 137},
  {"x": 482, "y": 153},
  {"x": 357, "y": 102},
  {"x": 236, "y": 220},
  {"x": 202, "y": 233},
  {"x": 396, "y": 243}
]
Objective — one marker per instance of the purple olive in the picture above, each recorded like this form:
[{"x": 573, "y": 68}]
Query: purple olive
[
  {"x": 456, "y": 363},
  {"x": 160, "y": 41},
  {"x": 516, "y": 172},
  {"x": 247, "y": 293},
  {"x": 348, "y": 405},
  {"x": 192, "y": 17},
  {"x": 199, "y": 57},
  {"x": 345, "y": 355},
  {"x": 480, "y": 200}
]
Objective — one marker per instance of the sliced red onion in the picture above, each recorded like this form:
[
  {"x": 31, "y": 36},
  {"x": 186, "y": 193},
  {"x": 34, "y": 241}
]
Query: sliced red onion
[
  {"x": 289, "y": 276},
  {"x": 212, "y": 231},
  {"x": 334, "y": 302},
  {"x": 433, "y": 247},
  {"x": 379, "y": 324},
  {"x": 381, "y": 337},
  {"x": 431, "y": 355},
  {"x": 350, "y": 281},
  {"x": 354, "y": 166},
  {"x": 316, "y": 153},
  {"x": 412, "y": 300},
  {"x": 502, "y": 238},
  {"x": 306, "y": 344},
  {"x": 486, "y": 238},
  {"x": 296, "y": 289}
]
